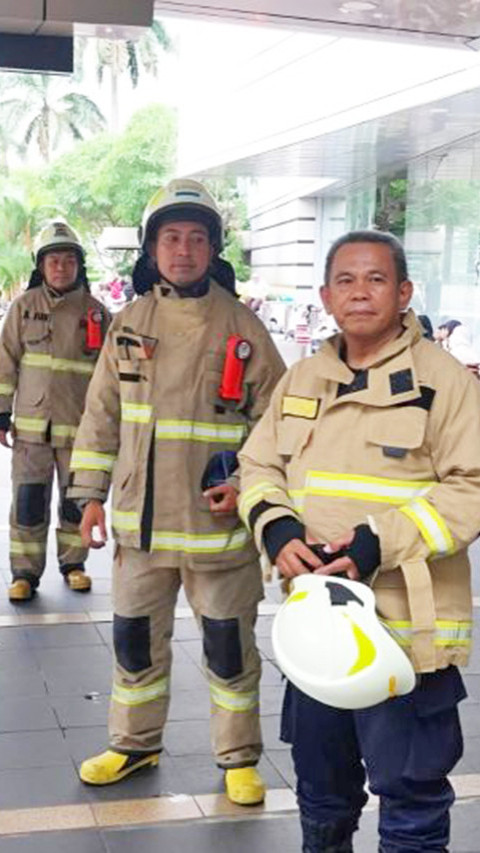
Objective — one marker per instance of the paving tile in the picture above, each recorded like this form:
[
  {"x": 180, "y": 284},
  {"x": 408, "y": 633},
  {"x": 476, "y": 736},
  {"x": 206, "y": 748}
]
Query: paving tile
[
  {"x": 271, "y": 675},
  {"x": 186, "y": 629},
  {"x": 194, "y": 649},
  {"x": 17, "y": 715},
  {"x": 276, "y": 833},
  {"x": 44, "y": 819},
  {"x": 189, "y": 737},
  {"x": 24, "y": 683},
  {"x": 176, "y": 807},
  {"x": 190, "y": 704},
  {"x": 12, "y": 638},
  {"x": 62, "y": 636},
  {"x": 40, "y": 786},
  {"x": 79, "y": 711},
  {"x": 186, "y": 676},
  {"x": 33, "y": 749},
  {"x": 149, "y": 783},
  {"x": 283, "y": 763},
  {"x": 263, "y": 628},
  {"x": 198, "y": 774},
  {"x": 80, "y": 841},
  {"x": 271, "y": 697},
  {"x": 271, "y": 733}
]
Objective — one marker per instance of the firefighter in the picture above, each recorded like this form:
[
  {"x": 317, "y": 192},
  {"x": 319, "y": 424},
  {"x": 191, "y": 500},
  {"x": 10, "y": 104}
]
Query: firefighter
[
  {"x": 185, "y": 372},
  {"x": 371, "y": 449},
  {"x": 49, "y": 344}
]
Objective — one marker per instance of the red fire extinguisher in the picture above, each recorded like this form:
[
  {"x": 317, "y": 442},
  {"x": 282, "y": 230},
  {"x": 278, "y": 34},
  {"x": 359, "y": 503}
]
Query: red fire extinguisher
[
  {"x": 94, "y": 329},
  {"x": 238, "y": 352}
]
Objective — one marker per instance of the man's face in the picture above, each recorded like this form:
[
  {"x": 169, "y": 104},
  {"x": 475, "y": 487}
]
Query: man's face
[
  {"x": 183, "y": 252},
  {"x": 363, "y": 293},
  {"x": 59, "y": 269}
]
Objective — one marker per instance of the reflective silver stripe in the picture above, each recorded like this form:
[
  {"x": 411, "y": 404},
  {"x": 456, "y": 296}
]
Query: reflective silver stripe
[
  {"x": 31, "y": 424},
  {"x": 183, "y": 430},
  {"x": 125, "y": 520},
  {"x": 240, "y": 703},
  {"x": 191, "y": 543},
  {"x": 73, "y": 539},
  {"x": 25, "y": 548},
  {"x": 90, "y": 460},
  {"x": 431, "y": 525},
  {"x": 63, "y": 365},
  {"x": 64, "y": 430},
  {"x": 132, "y": 696},
  {"x": 447, "y": 632},
  {"x": 359, "y": 487},
  {"x": 137, "y": 413}
]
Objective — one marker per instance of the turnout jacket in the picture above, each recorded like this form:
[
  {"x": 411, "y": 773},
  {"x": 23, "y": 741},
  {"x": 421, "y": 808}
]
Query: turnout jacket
[
  {"x": 397, "y": 446},
  {"x": 154, "y": 418},
  {"x": 45, "y": 364}
]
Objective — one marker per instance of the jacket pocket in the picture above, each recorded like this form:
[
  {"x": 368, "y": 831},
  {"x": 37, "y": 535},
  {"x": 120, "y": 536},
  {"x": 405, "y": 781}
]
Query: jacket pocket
[
  {"x": 293, "y": 435},
  {"x": 397, "y": 431}
]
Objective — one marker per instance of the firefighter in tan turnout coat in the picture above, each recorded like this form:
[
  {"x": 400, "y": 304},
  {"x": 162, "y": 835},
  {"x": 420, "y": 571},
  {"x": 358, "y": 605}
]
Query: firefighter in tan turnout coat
[
  {"x": 49, "y": 344},
  {"x": 372, "y": 448},
  {"x": 185, "y": 372}
]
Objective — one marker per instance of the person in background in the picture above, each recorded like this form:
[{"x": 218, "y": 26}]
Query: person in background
[{"x": 49, "y": 344}]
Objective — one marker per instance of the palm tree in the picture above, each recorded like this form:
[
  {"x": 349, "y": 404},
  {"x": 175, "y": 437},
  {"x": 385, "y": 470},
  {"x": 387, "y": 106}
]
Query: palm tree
[
  {"x": 46, "y": 117},
  {"x": 120, "y": 57}
]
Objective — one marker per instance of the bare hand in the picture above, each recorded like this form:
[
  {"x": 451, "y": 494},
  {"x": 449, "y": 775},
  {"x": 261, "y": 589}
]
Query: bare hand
[
  {"x": 344, "y": 565},
  {"x": 290, "y": 560},
  {"x": 93, "y": 516},
  {"x": 222, "y": 499},
  {"x": 5, "y": 438}
]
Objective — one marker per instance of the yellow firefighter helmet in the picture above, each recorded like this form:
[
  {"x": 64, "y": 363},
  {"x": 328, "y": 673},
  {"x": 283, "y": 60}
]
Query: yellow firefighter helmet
[
  {"x": 330, "y": 644},
  {"x": 182, "y": 199}
]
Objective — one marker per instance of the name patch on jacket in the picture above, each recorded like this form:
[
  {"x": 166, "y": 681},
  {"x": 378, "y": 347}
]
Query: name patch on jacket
[{"x": 300, "y": 407}]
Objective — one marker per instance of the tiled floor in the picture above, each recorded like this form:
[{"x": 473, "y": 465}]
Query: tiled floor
[{"x": 55, "y": 674}]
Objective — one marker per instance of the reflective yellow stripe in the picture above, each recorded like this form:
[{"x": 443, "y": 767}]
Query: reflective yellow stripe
[
  {"x": 447, "y": 632},
  {"x": 431, "y": 525},
  {"x": 18, "y": 547},
  {"x": 297, "y": 496},
  {"x": 359, "y": 487},
  {"x": 63, "y": 365},
  {"x": 140, "y": 695},
  {"x": 125, "y": 520},
  {"x": 31, "y": 424},
  {"x": 193, "y": 543},
  {"x": 70, "y": 539},
  {"x": 136, "y": 413},
  {"x": 64, "y": 430},
  {"x": 252, "y": 496},
  {"x": 199, "y": 431},
  {"x": 6, "y": 388},
  {"x": 90, "y": 460},
  {"x": 240, "y": 703}
]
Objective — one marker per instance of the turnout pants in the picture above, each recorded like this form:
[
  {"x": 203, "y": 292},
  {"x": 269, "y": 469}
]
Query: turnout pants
[
  {"x": 33, "y": 468},
  {"x": 225, "y": 607},
  {"x": 407, "y": 746}
]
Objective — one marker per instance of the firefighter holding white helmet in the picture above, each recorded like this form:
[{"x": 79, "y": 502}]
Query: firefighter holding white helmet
[
  {"x": 185, "y": 372},
  {"x": 49, "y": 344},
  {"x": 367, "y": 464}
]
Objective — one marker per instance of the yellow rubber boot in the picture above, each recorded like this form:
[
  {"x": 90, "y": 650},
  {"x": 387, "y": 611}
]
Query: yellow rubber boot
[
  {"x": 245, "y": 786},
  {"x": 20, "y": 590},
  {"x": 78, "y": 580},
  {"x": 110, "y": 766}
]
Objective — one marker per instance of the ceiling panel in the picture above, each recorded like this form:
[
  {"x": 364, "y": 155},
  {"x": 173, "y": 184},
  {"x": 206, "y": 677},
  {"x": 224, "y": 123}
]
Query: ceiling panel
[{"x": 453, "y": 21}]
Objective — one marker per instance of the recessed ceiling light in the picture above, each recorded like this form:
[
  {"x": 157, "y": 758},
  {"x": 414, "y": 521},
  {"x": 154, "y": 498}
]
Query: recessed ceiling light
[{"x": 358, "y": 6}]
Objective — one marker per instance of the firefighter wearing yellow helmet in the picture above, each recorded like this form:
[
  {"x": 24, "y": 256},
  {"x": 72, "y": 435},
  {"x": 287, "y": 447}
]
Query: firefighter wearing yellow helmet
[
  {"x": 49, "y": 345},
  {"x": 185, "y": 372},
  {"x": 367, "y": 464}
]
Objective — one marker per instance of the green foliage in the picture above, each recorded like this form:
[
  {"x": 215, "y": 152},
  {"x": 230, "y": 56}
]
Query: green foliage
[
  {"x": 234, "y": 213},
  {"x": 108, "y": 180}
]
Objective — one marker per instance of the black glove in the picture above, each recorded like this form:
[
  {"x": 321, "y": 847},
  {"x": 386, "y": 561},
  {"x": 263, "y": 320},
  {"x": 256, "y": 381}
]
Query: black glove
[{"x": 6, "y": 421}]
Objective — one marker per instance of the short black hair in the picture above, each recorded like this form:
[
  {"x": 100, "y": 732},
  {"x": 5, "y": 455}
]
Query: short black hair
[{"x": 366, "y": 236}]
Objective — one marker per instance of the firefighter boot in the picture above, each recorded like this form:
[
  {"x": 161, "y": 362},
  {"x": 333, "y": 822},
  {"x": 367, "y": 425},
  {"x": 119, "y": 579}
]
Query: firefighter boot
[
  {"x": 245, "y": 786},
  {"x": 20, "y": 590},
  {"x": 111, "y": 766},
  {"x": 78, "y": 580}
]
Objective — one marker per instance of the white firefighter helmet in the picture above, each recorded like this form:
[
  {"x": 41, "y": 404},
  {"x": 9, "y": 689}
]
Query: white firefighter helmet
[
  {"x": 330, "y": 644},
  {"x": 56, "y": 235},
  {"x": 182, "y": 199}
]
